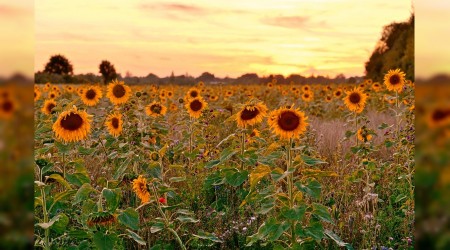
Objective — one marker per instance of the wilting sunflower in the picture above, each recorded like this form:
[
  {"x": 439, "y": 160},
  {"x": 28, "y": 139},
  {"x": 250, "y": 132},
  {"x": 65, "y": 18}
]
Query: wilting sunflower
[
  {"x": 103, "y": 218},
  {"x": 251, "y": 114},
  {"x": 196, "y": 106},
  {"x": 307, "y": 96},
  {"x": 91, "y": 95},
  {"x": 192, "y": 93},
  {"x": 7, "y": 108},
  {"x": 363, "y": 134},
  {"x": 394, "y": 80},
  {"x": 118, "y": 93},
  {"x": 72, "y": 125},
  {"x": 337, "y": 93},
  {"x": 252, "y": 135},
  {"x": 288, "y": 122},
  {"x": 355, "y": 100},
  {"x": 114, "y": 124},
  {"x": 155, "y": 109},
  {"x": 37, "y": 94},
  {"x": 48, "y": 106},
  {"x": 141, "y": 190}
]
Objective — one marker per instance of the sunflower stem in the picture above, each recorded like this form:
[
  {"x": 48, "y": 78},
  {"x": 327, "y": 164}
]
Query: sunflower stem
[
  {"x": 242, "y": 147},
  {"x": 356, "y": 129},
  {"x": 290, "y": 186},
  {"x": 44, "y": 210}
]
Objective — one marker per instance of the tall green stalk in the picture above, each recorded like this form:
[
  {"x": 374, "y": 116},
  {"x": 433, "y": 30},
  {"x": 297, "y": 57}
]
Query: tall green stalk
[{"x": 290, "y": 183}]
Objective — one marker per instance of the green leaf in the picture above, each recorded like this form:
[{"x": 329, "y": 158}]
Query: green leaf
[
  {"x": 60, "y": 225},
  {"x": 312, "y": 161},
  {"x": 207, "y": 236},
  {"x": 312, "y": 188},
  {"x": 321, "y": 212},
  {"x": 388, "y": 143},
  {"x": 338, "y": 240},
  {"x": 48, "y": 224},
  {"x": 295, "y": 213},
  {"x": 212, "y": 164},
  {"x": 237, "y": 178},
  {"x": 62, "y": 148},
  {"x": 177, "y": 179},
  {"x": 227, "y": 154},
  {"x": 257, "y": 174},
  {"x": 60, "y": 179},
  {"x": 104, "y": 241},
  {"x": 78, "y": 234},
  {"x": 121, "y": 169},
  {"x": 383, "y": 126},
  {"x": 112, "y": 197},
  {"x": 315, "y": 230},
  {"x": 136, "y": 237},
  {"x": 187, "y": 219},
  {"x": 85, "y": 151},
  {"x": 156, "y": 227},
  {"x": 78, "y": 179},
  {"x": 83, "y": 193},
  {"x": 61, "y": 196},
  {"x": 399, "y": 198},
  {"x": 129, "y": 218}
]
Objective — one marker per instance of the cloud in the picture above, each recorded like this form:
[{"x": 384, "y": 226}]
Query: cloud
[
  {"x": 295, "y": 22},
  {"x": 176, "y": 7}
]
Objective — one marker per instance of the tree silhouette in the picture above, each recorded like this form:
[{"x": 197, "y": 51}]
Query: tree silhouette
[
  {"x": 59, "y": 64},
  {"x": 108, "y": 71}
]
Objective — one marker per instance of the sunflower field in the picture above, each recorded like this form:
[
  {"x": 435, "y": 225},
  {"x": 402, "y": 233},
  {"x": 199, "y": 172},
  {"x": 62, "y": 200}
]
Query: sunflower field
[{"x": 225, "y": 166}]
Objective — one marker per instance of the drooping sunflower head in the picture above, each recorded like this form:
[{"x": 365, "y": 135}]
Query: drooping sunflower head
[
  {"x": 91, "y": 95},
  {"x": 394, "y": 80},
  {"x": 103, "y": 219},
  {"x": 195, "y": 107},
  {"x": 155, "y": 109},
  {"x": 288, "y": 122},
  {"x": 364, "y": 134},
  {"x": 141, "y": 189},
  {"x": 193, "y": 93},
  {"x": 48, "y": 106},
  {"x": 118, "y": 93},
  {"x": 307, "y": 96},
  {"x": 114, "y": 124},
  {"x": 355, "y": 100},
  {"x": 72, "y": 125},
  {"x": 251, "y": 113}
]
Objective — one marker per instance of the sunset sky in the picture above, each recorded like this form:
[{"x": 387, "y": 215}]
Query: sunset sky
[{"x": 226, "y": 38}]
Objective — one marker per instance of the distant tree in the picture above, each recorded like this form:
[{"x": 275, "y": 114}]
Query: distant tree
[
  {"x": 206, "y": 77},
  {"x": 248, "y": 78},
  {"x": 108, "y": 71},
  {"x": 59, "y": 64}
]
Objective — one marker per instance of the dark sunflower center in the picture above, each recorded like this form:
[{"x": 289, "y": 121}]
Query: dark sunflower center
[
  {"x": 7, "y": 106},
  {"x": 50, "y": 107},
  {"x": 72, "y": 122},
  {"x": 118, "y": 91},
  {"x": 35, "y": 94},
  {"x": 338, "y": 93},
  {"x": 249, "y": 114},
  {"x": 90, "y": 94},
  {"x": 115, "y": 123},
  {"x": 306, "y": 96},
  {"x": 439, "y": 115},
  {"x": 394, "y": 79},
  {"x": 52, "y": 95},
  {"x": 156, "y": 108},
  {"x": 355, "y": 98},
  {"x": 288, "y": 121},
  {"x": 196, "y": 105},
  {"x": 194, "y": 94}
]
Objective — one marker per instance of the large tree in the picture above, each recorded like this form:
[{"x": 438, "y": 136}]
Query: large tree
[
  {"x": 108, "y": 71},
  {"x": 59, "y": 64}
]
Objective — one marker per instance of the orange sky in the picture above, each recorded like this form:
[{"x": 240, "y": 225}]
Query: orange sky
[{"x": 226, "y": 38}]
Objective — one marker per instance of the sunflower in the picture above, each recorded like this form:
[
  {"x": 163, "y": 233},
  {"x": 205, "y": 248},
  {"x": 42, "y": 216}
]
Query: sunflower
[
  {"x": 355, "y": 100},
  {"x": 439, "y": 117},
  {"x": 193, "y": 93},
  {"x": 337, "y": 93},
  {"x": 173, "y": 107},
  {"x": 251, "y": 114},
  {"x": 328, "y": 98},
  {"x": 376, "y": 87},
  {"x": 52, "y": 95},
  {"x": 196, "y": 106},
  {"x": 288, "y": 122},
  {"x": 214, "y": 98},
  {"x": 102, "y": 218},
  {"x": 72, "y": 125},
  {"x": 37, "y": 94},
  {"x": 306, "y": 88},
  {"x": 252, "y": 135},
  {"x": 363, "y": 134},
  {"x": 91, "y": 95},
  {"x": 47, "y": 87},
  {"x": 69, "y": 89},
  {"x": 118, "y": 93},
  {"x": 7, "y": 108},
  {"x": 394, "y": 80},
  {"x": 141, "y": 190},
  {"x": 114, "y": 124},
  {"x": 163, "y": 94},
  {"x": 155, "y": 109},
  {"x": 270, "y": 85},
  {"x": 308, "y": 96},
  {"x": 200, "y": 84},
  {"x": 48, "y": 106},
  {"x": 169, "y": 94}
]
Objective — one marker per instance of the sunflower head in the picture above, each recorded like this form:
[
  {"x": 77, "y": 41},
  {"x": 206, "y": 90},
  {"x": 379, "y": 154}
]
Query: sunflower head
[
  {"x": 195, "y": 107},
  {"x": 155, "y": 109},
  {"x": 337, "y": 93},
  {"x": 355, "y": 100},
  {"x": 251, "y": 113},
  {"x": 37, "y": 94},
  {"x": 307, "y": 96},
  {"x": 114, "y": 124},
  {"x": 395, "y": 80},
  {"x": 306, "y": 88},
  {"x": 363, "y": 134},
  {"x": 52, "y": 94},
  {"x": 118, "y": 93},
  {"x": 328, "y": 98},
  {"x": 102, "y": 219},
  {"x": 173, "y": 107},
  {"x": 91, "y": 95},
  {"x": 193, "y": 93},
  {"x": 7, "y": 107},
  {"x": 141, "y": 189},
  {"x": 439, "y": 117},
  {"x": 48, "y": 106},
  {"x": 288, "y": 122},
  {"x": 72, "y": 125}
]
